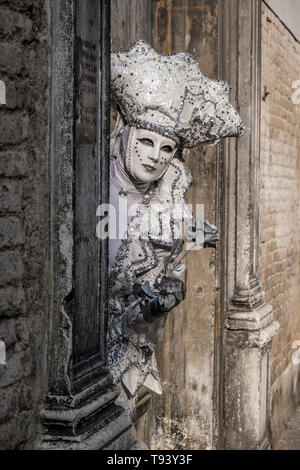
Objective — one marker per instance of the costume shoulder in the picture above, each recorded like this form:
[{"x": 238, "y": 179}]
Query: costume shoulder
[{"x": 175, "y": 182}]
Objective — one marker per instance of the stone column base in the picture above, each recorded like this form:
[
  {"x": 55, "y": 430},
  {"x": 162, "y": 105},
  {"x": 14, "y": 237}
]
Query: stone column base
[
  {"x": 248, "y": 342},
  {"x": 92, "y": 425}
]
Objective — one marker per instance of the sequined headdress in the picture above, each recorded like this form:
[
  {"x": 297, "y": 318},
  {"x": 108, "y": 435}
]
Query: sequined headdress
[{"x": 168, "y": 94}]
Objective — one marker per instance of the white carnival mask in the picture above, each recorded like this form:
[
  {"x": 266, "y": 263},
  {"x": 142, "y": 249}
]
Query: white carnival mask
[{"x": 148, "y": 154}]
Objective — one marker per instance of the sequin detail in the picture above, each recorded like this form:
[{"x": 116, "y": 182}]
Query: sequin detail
[
  {"x": 169, "y": 95},
  {"x": 136, "y": 261}
]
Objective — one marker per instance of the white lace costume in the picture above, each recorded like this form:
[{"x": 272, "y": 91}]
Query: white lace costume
[{"x": 170, "y": 96}]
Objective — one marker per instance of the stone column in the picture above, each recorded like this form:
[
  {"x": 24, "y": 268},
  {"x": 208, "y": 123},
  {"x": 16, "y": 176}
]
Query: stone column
[
  {"x": 248, "y": 323},
  {"x": 79, "y": 412}
]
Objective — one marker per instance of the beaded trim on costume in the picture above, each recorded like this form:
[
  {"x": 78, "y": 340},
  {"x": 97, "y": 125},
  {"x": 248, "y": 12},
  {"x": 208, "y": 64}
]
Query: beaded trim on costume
[
  {"x": 169, "y": 95},
  {"x": 123, "y": 303}
]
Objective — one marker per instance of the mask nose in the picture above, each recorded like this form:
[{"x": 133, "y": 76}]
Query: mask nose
[{"x": 155, "y": 154}]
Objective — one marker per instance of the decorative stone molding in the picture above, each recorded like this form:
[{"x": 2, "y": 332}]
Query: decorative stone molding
[
  {"x": 249, "y": 325},
  {"x": 79, "y": 412}
]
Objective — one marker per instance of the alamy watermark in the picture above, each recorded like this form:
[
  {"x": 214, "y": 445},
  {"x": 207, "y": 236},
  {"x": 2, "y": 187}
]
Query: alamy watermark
[
  {"x": 2, "y": 92},
  {"x": 2, "y": 353},
  {"x": 296, "y": 94},
  {"x": 158, "y": 218},
  {"x": 296, "y": 354}
]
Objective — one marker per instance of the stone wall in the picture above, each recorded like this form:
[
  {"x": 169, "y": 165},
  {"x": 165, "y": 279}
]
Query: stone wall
[
  {"x": 24, "y": 215},
  {"x": 279, "y": 206}
]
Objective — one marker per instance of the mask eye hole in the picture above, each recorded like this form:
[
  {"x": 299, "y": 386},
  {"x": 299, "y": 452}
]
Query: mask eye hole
[
  {"x": 167, "y": 149},
  {"x": 147, "y": 142}
]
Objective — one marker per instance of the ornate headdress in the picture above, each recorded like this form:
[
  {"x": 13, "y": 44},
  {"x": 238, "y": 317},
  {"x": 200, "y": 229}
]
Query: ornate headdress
[{"x": 168, "y": 94}]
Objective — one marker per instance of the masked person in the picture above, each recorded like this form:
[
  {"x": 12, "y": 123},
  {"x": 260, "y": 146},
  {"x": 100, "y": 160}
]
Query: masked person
[{"x": 165, "y": 104}]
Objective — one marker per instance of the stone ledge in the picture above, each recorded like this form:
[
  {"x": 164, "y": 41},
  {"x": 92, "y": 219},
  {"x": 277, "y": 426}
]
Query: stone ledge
[
  {"x": 116, "y": 434},
  {"x": 249, "y": 320}
]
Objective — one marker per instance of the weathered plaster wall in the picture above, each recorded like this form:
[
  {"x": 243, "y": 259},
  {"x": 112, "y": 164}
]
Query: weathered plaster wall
[
  {"x": 24, "y": 41},
  {"x": 130, "y": 21},
  {"x": 279, "y": 207},
  {"x": 183, "y": 417}
]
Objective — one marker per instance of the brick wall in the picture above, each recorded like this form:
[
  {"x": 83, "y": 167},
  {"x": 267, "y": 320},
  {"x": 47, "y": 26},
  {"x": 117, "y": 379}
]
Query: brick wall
[
  {"x": 23, "y": 215},
  {"x": 279, "y": 203}
]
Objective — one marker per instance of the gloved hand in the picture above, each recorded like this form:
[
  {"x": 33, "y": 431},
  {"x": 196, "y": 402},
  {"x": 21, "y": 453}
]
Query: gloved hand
[{"x": 169, "y": 292}]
